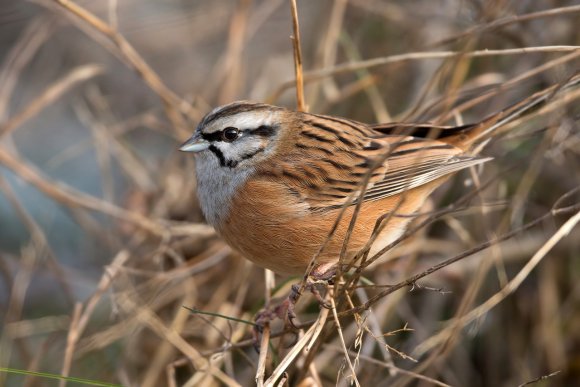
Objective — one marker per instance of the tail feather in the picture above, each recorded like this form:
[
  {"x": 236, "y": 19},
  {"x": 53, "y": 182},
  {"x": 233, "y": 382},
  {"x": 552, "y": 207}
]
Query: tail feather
[
  {"x": 485, "y": 129},
  {"x": 469, "y": 136}
]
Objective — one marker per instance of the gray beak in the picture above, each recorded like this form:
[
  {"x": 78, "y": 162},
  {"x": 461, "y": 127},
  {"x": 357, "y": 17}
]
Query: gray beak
[{"x": 194, "y": 144}]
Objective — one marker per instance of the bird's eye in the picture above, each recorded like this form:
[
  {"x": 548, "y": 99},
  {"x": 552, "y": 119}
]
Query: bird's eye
[{"x": 230, "y": 134}]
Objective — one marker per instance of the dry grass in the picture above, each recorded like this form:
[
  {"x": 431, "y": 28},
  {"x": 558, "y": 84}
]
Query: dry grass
[{"x": 103, "y": 247}]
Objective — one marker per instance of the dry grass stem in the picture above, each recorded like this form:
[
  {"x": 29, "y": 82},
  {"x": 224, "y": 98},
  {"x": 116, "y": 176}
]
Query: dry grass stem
[
  {"x": 306, "y": 341},
  {"x": 71, "y": 340},
  {"x": 496, "y": 24},
  {"x": 265, "y": 331},
  {"x": 52, "y": 93},
  {"x": 343, "y": 344},
  {"x": 511, "y": 287},
  {"x": 300, "y": 102},
  {"x": 171, "y": 101},
  {"x": 74, "y": 198},
  {"x": 35, "y": 34},
  {"x": 109, "y": 271},
  {"x": 314, "y": 75}
]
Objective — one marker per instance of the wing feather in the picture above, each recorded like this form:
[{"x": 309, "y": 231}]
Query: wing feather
[
  {"x": 333, "y": 157},
  {"x": 416, "y": 175}
]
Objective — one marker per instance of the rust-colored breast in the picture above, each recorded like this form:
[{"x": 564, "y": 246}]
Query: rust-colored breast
[{"x": 272, "y": 227}]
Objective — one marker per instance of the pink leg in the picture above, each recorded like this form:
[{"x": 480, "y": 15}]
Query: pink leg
[{"x": 285, "y": 309}]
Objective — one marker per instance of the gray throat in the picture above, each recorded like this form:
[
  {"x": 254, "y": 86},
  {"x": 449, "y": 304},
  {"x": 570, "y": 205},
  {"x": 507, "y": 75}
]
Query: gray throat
[{"x": 217, "y": 186}]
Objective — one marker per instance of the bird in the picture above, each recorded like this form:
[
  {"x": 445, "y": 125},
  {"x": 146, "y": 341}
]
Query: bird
[{"x": 277, "y": 184}]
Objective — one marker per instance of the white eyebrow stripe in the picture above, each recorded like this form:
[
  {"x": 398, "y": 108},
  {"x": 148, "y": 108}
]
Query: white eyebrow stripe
[{"x": 243, "y": 121}]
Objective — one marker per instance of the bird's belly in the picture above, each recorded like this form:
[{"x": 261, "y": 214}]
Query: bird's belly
[{"x": 278, "y": 232}]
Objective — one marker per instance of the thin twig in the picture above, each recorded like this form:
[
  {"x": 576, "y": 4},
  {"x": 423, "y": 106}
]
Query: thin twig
[
  {"x": 72, "y": 197},
  {"x": 305, "y": 342},
  {"x": 511, "y": 287},
  {"x": 540, "y": 378},
  {"x": 52, "y": 93},
  {"x": 71, "y": 340},
  {"x": 315, "y": 75},
  {"x": 173, "y": 103},
  {"x": 495, "y": 24},
  {"x": 22, "y": 52},
  {"x": 261, "y": 369},
  {"x": 38, "y": 237},
  {"x": 301, "y": 104},
  {"x": 148, "y": 318},
  {"x": 270, "y": 284},
  {"x": 410, "y": 281},
  {"x": 341, "y": 336},
  {"x": 392, "y": 367}
]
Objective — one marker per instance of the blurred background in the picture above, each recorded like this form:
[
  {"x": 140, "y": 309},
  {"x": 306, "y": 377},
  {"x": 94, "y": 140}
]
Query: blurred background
[{"x": 102, "y": 242}]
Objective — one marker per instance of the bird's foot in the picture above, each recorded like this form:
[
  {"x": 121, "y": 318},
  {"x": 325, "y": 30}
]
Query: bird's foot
[{"x": 285, "y": 310}]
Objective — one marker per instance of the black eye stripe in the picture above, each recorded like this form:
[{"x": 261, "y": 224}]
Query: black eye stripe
[
  {"x": 212, "y": 137},
  {"x": 262, "y": 131}
]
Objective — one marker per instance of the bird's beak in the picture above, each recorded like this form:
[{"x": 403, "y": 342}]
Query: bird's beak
[{"x": 194, "y": 144}]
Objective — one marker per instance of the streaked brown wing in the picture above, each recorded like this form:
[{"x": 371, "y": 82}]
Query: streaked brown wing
[
  {"x": 417, "y": 173},
  {"x": 334, "y": 155}
]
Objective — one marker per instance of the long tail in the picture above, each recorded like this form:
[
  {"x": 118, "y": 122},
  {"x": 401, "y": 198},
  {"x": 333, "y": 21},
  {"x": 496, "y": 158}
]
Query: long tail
[{"x": 482, "y": 131}]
